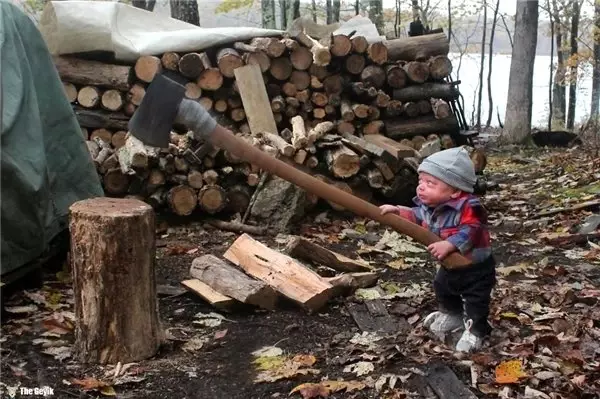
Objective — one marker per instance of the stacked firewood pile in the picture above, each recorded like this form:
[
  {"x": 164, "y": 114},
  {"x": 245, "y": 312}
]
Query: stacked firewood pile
[{"x": 353, "y": 113}]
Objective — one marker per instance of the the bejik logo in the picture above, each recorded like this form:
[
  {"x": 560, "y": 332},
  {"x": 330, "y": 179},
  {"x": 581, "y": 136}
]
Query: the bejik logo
[{"x": 43, "y": 391}]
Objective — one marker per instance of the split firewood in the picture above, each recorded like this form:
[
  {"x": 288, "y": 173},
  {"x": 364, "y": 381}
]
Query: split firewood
[
  {"x": 302, "y": 248},
  {"x": 213, "y": 297}
]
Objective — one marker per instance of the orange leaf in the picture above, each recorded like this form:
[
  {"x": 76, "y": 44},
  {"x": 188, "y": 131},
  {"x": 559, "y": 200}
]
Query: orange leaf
[
  {"x": 509, "y": 372},
  {"x": 89, "y": 383}
]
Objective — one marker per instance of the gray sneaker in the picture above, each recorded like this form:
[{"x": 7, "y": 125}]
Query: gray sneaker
[
  {"x": 441, "y": 323},
  {"x": 469, "y": 342}
]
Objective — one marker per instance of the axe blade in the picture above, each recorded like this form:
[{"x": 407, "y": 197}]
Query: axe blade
[{"x": 153, "y": 119}]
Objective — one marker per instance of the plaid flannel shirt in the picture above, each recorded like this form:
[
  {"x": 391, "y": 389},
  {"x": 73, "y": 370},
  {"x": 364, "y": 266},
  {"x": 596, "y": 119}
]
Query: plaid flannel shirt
[{"x": 461, "y": 221}]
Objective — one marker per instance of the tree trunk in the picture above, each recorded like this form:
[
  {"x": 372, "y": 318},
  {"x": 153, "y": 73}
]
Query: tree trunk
[
  {"x": 336, "y": 11},
  {"x": 559, "y": 106},
  {"x": 376, "y": 15},
  {"x": 185, "y": 10},
  {"x": 491, "y": 55},
  {"x": 328, "y": 12},
  {"x": 283, "y": 6},
  {"x": 314, "y": 10},
  {"x": 450, "y": 20},
  {"x": 268, "y": 14},
  {"x": 517, "y": 128},
  {"x": 596, "y": 68},
  {"x": 113, "y": 257},
  {"x": 573, "y": 75},
  {"x": 481, "y": 64},
  {"x": 550, "y": 104}
]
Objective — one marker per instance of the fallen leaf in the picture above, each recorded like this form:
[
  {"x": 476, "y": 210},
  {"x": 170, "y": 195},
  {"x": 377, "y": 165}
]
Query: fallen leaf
[
  {"x": 268, "y": 351},
  {"x": 360, "y": 368},
  {"x": 194, "y": 344},
  {"x": 534, "y": 393},
  {"x": 518, "y": 268},
  {"x": 57, "y": 323},
  {"x": 108, "y": 391},
  {"x": 36, "y": 297},
  {"x": 21, "y": 309},
  {"x": 220, "y": 334},
  {"x": 546, "y": 375},
  {"x": 325, "y": 388},
  {"x": 284, "y": 367},
  {"x": 509, "y": 372},
  {"x": 578, "y": 380},
  {"x": 60, "y": 353},
  {"x": 89, "y": 383},
  {"x": 211, "y": 319},
  {"x": 177, "y": 250}
]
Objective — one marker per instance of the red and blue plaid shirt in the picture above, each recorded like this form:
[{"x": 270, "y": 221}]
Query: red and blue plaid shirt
[{"x": 461, "y": 221}]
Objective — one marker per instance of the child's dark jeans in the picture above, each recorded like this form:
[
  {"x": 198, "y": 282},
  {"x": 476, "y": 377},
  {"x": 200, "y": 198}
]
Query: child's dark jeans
[{"x": 471, "y": 286}]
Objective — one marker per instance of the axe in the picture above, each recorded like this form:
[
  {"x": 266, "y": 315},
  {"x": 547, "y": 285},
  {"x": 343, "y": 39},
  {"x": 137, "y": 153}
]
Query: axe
[{"x": 164, "y": 105}]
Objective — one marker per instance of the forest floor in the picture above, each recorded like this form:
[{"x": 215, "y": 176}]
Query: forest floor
[{"x": 545, "y": 311}]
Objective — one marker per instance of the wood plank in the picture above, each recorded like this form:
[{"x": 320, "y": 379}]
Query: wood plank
[
  {"x": 372, "y": 316},
  {"x": 257, "y": 106},
  {"x": 392, "y": 146},
  {"x": 280, "y": 271},
  {"x": 211, "y": 296},
  {"x": 304, "y": 249},
  {"x": 446, "y": 384},
  {"x": 230, "y": 281}
]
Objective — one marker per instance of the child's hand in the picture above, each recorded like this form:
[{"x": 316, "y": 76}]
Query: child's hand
[
  {"x": 441, "y": 249},
  {"x": 388, "y": 209}
]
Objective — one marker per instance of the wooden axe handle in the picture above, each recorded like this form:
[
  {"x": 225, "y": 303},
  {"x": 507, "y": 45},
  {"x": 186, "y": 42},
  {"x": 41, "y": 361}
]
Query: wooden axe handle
[{"x": 226, "y": 140}]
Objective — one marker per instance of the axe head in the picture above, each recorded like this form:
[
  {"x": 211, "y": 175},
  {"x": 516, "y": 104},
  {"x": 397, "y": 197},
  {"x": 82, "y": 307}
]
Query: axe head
[{"x": 153, "y": 119}]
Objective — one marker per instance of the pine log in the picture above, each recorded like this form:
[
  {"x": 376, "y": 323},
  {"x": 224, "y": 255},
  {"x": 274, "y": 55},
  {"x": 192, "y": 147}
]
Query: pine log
[
  {"x": 440, "y": 108},
  {"x": 191, "y": 66},
  {"x": 416, "y": 71},
  {"x": 344, "y": 127},
  {"x": 424, "y": 125},
  {"x": 411, "y": 109},
  {"x": 289, "y": 89},
  {"x": 299, "y": 137},
  {"x": 373, "y": 128},
  {"x": 192, "y": 91},
  {"x": 374, "y": 113},
  {"x": 277, "y": 104},
  {"x": 425, "y": 91},
  {"x": 112, "y": 100},
  {"x": 88, "y": 97},
  {"x": 274, "y": 48},
  {"x": 343, "y": 162},
  {"x": 394, "y": 108},
  {"x": 396, "y": 76},
  {"x": 136, "y": 94},
  {"x": 259, "y": 58},
  {"x": 424, "y": 107},
  {"x": 182, "y": 200},
  {"x": 396, "y": 149},
  {"x": 303, "y": 96},
  {"x": 300, "y": 79},
  {"x": 170, "y": 61},
  {"x": 355, "y": 64},
  {"x": 321, "y": 54},
  {"x": 382, "y": 100},
  {"x": 319, "y": 113},
  {"x": 359, "y": 44},
  {"x": 118, "y": 139},
  {"x": 319, "y": 99},
  {"x": 417, "y": 48},
  {"x": 315, "y": 83},
  {"x": 213, "y": 297},
  {"x": 281, "y": 68},
  {"x": 318, "y": 71},
  {"x": 340, "y": 45},
  {"x": 101, "y": 119},
  {"x": 301, "y": 58},
  {"x": 301, "y": 248},
  {"x": 92, "y": 73},
  {"x": 229, "y": 280},
  {"x": 210, "y": 79},
  {"x": 238, "y": 198},
  {"x": 346, "y": 111},
  {"x": 238, "y": 115},
  {"x": 378, "y": 53},
  {"x": 374, "y": 76},
  {"x": 146, "y": 67},
  {"x": 212, "y": 198},
  {"x": 70, "y": 91},
  {"x": 333, "y": 84},
  {"x": 156, "y": 179},
  {"x": 210, "y": 176},
  {"x": 113, "y": 240},
  {"x": 360, "y": 110},
  {"x": 320, "y": 130},
  {"x": 228, "y": 60},
  {"x": 104, "y": 134},
  {"x": 115, "y": 182},
  {"x": 440, "y": 67},
  {"x": 305, "y": 288},
  {"x": 220, "y": 106}
]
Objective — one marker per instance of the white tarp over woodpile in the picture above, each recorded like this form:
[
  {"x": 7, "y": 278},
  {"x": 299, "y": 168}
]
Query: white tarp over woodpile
[{"x": 129, "y": 32}]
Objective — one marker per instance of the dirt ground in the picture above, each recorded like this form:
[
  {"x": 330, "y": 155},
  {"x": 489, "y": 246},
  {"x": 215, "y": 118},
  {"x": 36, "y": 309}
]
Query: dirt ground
[{"x": 545, "y": 311}]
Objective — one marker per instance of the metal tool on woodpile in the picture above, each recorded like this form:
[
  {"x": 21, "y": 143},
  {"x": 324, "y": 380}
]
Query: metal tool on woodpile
[{"x": 164, "y": 105}]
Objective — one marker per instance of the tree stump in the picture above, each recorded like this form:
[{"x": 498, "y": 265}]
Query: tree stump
[{"x": 112, "y": 254}]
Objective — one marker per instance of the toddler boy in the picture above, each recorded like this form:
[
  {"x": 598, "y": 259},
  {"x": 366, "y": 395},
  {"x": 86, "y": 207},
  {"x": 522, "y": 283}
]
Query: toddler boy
[{"x": 446, "y": 206}]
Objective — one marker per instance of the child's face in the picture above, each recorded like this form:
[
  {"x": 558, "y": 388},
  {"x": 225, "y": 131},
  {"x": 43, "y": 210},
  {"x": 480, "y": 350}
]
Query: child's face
[{"x": 432, "y": 191}]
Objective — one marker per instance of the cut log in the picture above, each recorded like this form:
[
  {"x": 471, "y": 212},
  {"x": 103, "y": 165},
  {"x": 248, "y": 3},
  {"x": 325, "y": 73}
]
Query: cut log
[
  {"x": 92, "y": 73},
  {"x": 320, "y": 130},
  {"x": 210, "y": 79},
  {"x": 212, "y": 198},
  {"x": 360, "y": 110},
  {"x": 417, "y": 48},
  {"x": 214, "y": 298},
  {"x": 378, "y": 53},
  {"x": 230, "y": 281},
  {"x": 277, "y": 104},
  {"x": 333, "y": 84},
  {"x": 191, "y": 66},
  {"x": 343, "y": 162},
  {"x": 272, "y": 46},
  {"x": 382, "y": 100},
  {"x": 206, "y": 102},
  {"x": 411, "y": 109},
  {"x": 300, "y": 79},
  {"x": 300, "y": 156},
  {"x": 301, "y": 248},
  {"x": 426, "y": 91},
  {"x": 346, "y": 111},
  {"x": 146, "y": 67},
  {"x": 133, "y": 155},
  {"x": 192, "y": 91},
  {"x": 306, "y": 287},
  {"x": 93, "y": 148},
  {"x": 220, "y": 106},
  {"x": 156, "y": 178},
  {"x": 115, "y": 182},
  {"x": 421, "y": 126},
  {"x": 340, "y": 45},
  {"x": 397, "y": 150},
  {"x": 238, "y": 115},
  {"x": 319, "y": 99},
  {"x": 238, "y": 198},
  {"x": 281, "y": 68},
  {"x": 375, "y": 178},
  {"x": 182, "y": 200},
  {"x": 299, "y": 137},
  {"x": 348, "y": 282},
  {"x": 112, "y": 100},
  {"x": 257, "y": 58},
  {"x": 312, "y": 162},
  {"x": 103, "y": 134},
  {"x": 321, "y": 54},
  {"x": 396, "y": 76},
  {"x": 424, "y": 107},
  {"x": 255, "y": 99},
  {"x": 210, "y": 176},
  {"x": 95, "y": 119},
  {"x": 70, "y": 91},
  {"x": 355, "y": 64},
  {"x": 285, "y": 148},
  {"x": 416, "y": 71},
  {"x": 440, "y": 67},
  {"x": 373, "y": 76},
  {"x": 440, "y": 108},
  {"x": 359, "y": 44},
  {"x": 88, "y": 97},
  {"x": 136, "y": 94},
  {"x": 301, "y": 58},
  {"x": 418, "y": 142},
  {"x": 344, "y": 127},
  {"x": 373, "y": 128},
  {"x": 118, "y": 139},
  {"x": 290, "y": 44},
  {"x": 113, "y": 240},
  {"x": 228, "y": 60},
  {"x": 289, "y": 89},
  {"x": 447, "y": 141},
  {"x": 170, "y": 61}
]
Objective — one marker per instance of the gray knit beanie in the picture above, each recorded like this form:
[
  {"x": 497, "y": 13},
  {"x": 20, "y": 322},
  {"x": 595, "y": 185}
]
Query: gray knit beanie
[{"x": 453, "y": 166}]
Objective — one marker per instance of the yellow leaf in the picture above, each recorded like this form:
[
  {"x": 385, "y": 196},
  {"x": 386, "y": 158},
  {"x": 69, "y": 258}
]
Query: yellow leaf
[
  {"x": 509, "y": 372},
  {"x": 509, "y": 315},
  {"x": 108, "y": 391}
]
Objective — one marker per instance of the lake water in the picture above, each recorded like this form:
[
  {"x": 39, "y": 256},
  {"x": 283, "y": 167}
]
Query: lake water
[{"x": 469, "y": 76}]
